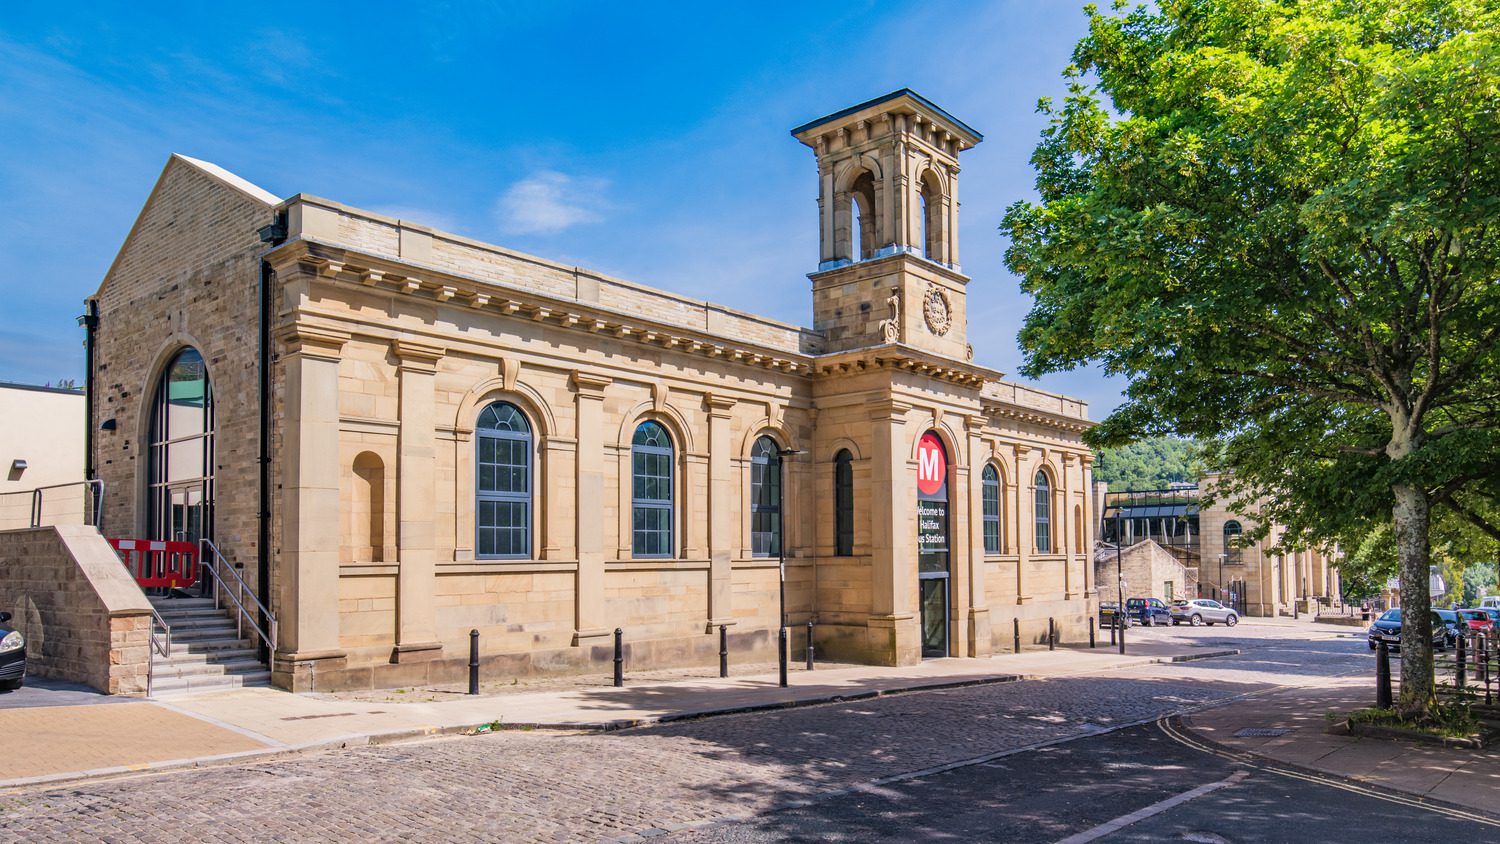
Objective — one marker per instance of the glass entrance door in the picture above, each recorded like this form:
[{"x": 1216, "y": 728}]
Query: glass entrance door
[{"x": 934, "y": 598}]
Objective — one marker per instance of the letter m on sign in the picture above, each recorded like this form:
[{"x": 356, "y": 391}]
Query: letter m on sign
[{"x": 930, "y": 465}]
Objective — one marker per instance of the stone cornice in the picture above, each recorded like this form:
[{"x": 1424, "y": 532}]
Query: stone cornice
[
  {"x": 422, "y": 357},
  {"x": 900, "y": 357},
  {"x": 1002, "y": 410},
  {"x": 313, "y": 341},
  {"x": 390, "y": 275}
]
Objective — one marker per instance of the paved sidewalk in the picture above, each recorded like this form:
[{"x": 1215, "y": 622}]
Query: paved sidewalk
[
  {"x": 1462, "y": 777},
  {"x": 62, "y": 743}
]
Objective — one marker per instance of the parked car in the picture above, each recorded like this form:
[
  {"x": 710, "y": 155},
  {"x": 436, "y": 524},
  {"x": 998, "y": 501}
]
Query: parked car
[
  {"x": 1387, "y": 629},
  {"x": 12, "y": 655},
  {"x": 1107, "y": 610},
  {"x": 1148, "y": 612},
  {"x": 1453, "y": 624},
  {"x": 1476, "y": 619},
  {"x": 1200, "y": 611}
]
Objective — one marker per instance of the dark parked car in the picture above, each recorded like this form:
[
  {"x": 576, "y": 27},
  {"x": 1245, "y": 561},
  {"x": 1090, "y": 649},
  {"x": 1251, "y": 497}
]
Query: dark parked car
[
  {"x": 1387, "y": 629},
  {"x": 12, "y": 655},
  {"x": 1453, "y": 623},
  {"x": 1148, "y": 612}
]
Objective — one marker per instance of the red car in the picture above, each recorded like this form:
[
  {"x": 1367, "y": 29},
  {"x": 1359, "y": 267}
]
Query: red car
[{"x": 1476, "y": 619}]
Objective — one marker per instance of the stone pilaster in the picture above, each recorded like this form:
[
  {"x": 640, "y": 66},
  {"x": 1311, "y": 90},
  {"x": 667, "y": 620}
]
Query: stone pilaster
[
  {"x": 416, "y": 493},
  {"x": 1025, "y": 532},
  {"x": 972, "y": 561},
  {"x": 589, "y": 621},
  {"x": 721, "y": 522},
  {"x": 894, "y": 635},
  {"x": 309, "y": 585}
]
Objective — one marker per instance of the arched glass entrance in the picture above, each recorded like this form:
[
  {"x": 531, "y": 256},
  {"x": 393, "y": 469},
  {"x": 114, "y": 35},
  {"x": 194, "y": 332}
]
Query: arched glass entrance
[
  {"x": 180, "y": 476},
  {"x": 932, "y": 544}
]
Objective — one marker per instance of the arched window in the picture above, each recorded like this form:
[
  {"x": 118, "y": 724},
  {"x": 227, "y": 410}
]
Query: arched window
[
  {"x": 990, "y": 486},
  {"x": 765, "y": 499},
  {"x": 502, "y": 506},
  {"x": 843, "y": 504},
  {"x": 651, "y": 491},
  {"x": 1043, "y": 514},
  {"x": 931, "y": 208},
  {"x": 1232, "y": 531},
  {"x": 180, "y": 468},
  {"x": 862, "y": 217}
]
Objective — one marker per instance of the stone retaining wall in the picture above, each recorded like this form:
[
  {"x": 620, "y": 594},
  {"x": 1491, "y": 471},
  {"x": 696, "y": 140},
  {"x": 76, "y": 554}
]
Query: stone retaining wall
[{"x": 83, "y": 616}]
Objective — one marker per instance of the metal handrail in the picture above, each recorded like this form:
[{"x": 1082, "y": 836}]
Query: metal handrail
[
  {"x": 211, "y": 565},
  {"x": 157, "y": 647},
  {"x": 92, "y": 513}
]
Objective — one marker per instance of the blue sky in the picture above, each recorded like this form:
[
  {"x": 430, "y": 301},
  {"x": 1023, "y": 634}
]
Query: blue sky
[{"x": 645, "y": 140}]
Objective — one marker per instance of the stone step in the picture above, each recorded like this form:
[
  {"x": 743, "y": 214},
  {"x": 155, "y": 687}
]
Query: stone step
[
  {"x": 204, "y": 633},
  {"x": 166, "y": 670},
  {"x": 186, "y": 656},
  {"x": 217, "y": 622},
  {"x": 177, "y": 686},
  {"x": 181, "y": 603},
  {"x": 210, "y": 645},
  {"x": 210, "y": 611}
]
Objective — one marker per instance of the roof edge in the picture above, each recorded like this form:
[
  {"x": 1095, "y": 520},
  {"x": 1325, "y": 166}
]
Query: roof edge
[{"x": 894, "y": 95}]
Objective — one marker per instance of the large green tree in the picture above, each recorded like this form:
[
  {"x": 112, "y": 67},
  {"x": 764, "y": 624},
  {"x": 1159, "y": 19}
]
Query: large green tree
[
  {"x": 1279, "y": 220},
  {"x": 1152, "y": 463}
]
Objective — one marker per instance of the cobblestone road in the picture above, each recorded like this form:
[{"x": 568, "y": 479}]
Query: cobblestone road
[{"x": 519, "y": 786}]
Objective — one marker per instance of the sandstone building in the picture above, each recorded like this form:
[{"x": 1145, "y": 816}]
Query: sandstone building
[{"x": 398, "y": 434}]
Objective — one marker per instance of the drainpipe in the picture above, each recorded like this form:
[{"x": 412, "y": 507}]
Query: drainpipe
[
  {"x": 273, "y": 234},
  {"x": 90, "y": 323}
]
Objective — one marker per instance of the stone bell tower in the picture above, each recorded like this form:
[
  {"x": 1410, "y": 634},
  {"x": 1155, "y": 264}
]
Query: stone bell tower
[{"x": 888, "y": 225}]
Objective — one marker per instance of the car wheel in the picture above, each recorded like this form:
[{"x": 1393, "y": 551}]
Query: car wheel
[
  {"x": 1232, "y": 620},
  {"x": 1196, "y": 620}
]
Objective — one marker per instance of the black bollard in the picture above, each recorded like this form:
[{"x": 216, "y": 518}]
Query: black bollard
[
  {"x": 1051, "y": 634},
  {"x": 619, "y": 657},
  {"x": 1460, "y": 664},
  {"x": 1382, "y": 677},
  {"x": 473, "y": 662},
  {"x": 809, "y": 646},
  {"x": 1122, "y": 622},
  {"x": 1112, "y": 628},
  {"x": 723, "y": 650},
  {"x": 1091, "y": 631},
  {"x": 1016, "y": 622},
  {"x": 781, "y": 654}
]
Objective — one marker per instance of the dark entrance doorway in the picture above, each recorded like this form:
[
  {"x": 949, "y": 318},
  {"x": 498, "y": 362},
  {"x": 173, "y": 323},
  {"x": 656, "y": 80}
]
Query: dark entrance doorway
[{"x": 932, "y": 544}]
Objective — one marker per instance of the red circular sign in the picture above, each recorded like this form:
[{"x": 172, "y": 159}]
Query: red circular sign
[{"x": 932, "y": 464}]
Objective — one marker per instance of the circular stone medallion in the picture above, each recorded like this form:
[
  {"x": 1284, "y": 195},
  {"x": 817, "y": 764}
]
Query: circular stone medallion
[{"x": 936, "y": 309}]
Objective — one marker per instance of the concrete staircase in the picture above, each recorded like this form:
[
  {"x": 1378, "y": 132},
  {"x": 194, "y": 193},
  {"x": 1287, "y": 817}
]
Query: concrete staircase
[{"x": 207, "y": 655}]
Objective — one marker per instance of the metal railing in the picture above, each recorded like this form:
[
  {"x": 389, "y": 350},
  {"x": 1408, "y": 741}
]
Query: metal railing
[
  {"x": 91, "y": 509},
  {"x": 237, "y": 591},
  {"x": 161, "y": 646},
  {"x": 1469, "y": 670}
]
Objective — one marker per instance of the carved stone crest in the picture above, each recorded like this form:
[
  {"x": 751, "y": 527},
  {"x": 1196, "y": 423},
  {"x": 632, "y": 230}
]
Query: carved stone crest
[{"x": 937, "y": 309}]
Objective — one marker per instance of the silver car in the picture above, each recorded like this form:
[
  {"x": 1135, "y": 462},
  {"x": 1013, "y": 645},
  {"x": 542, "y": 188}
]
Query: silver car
[{"x": 1200, "y": 611}]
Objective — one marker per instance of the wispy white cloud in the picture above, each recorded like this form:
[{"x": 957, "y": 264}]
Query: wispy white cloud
[{"x": 548, "y": 202}]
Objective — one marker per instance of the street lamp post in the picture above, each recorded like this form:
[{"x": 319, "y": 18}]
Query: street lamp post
[
  {"x": 781, "y": 656},
  {"x": 1121, "y": 619}
]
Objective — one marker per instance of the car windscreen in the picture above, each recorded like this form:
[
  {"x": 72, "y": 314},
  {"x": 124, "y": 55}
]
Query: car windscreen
[{"x": 1392, "y": 615}]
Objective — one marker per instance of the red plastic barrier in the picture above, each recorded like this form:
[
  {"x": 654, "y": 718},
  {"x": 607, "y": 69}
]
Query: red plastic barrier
[{"x": 154, "y": 563}]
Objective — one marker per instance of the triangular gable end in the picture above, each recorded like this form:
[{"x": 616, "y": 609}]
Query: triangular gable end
[{"x": 199, "y": 194}]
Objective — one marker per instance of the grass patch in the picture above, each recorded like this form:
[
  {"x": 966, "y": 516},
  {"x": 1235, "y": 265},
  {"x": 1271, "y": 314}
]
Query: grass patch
[{"x": 1443, "y": 720}]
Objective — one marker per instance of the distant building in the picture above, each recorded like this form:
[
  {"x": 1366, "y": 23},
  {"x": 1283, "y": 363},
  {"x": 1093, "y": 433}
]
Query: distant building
[
  {"x": 1148, "y": 569},
  {"x": 1216, "y": 543},
  {"x": 41, "y": 445}
]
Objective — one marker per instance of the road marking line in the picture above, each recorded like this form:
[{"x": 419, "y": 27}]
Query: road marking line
[
  {"x": 1154, "y": 809},
  {"x": 1252, "y": 761}
]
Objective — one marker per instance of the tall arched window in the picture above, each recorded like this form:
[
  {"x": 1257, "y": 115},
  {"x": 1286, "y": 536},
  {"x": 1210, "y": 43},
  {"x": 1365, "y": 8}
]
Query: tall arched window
[
  {"x": 1232, "y": 531},
  {"x": 843, "y": 504},
  {"x": 990, "y": 486},
  {"x": 180, "y": 469},
  {"x": 1042, "y": 514},
  {"x": 651, "y": 491},
  {"x": 862, "y": 217},
  {"x": 765, "y": 498},
  {"x": 502, "y": 492},
  {"x": 931, "y": 208}
]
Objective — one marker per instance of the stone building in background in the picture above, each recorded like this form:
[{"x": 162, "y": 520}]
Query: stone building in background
[{"x": 396, "y": 434}]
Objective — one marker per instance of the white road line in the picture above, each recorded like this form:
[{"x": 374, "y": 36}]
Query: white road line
[{"x": 1154, "y": 809}]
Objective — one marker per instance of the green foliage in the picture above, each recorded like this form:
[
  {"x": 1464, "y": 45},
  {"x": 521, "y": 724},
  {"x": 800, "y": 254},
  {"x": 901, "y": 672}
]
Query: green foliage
[
  {"x": 1479, "y": 581},
  {"x": 1152, "y": 463},
  {"x": 1281, "y": 222},
  {"x": 1451, "y": 720}
]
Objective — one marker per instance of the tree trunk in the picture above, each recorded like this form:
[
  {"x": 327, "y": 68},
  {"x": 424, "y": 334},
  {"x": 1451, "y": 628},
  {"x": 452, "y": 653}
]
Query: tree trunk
[{"x": 1411, "y": 515}]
